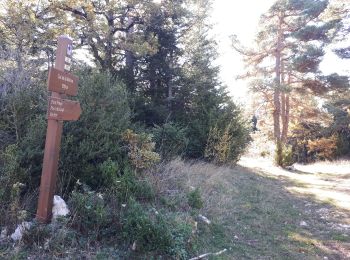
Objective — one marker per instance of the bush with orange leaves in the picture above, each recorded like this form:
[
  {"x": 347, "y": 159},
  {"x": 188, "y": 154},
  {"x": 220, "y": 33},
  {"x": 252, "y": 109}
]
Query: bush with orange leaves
[
  {"x": 324, "y": 148},
  {"x": 140, "y": 149}
]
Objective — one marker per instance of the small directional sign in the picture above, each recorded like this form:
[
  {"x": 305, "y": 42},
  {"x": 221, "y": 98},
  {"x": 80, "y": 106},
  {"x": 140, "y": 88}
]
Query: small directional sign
[
  {"x": 62, "y": 82},
  {"x": 63, "y": 109}
]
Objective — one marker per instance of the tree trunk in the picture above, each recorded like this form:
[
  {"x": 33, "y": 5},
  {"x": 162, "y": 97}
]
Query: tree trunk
[
  {"x": 285, "y": 123},
  {"x": 283, "y": 103},
  {"x": 285, "y": 116},
  {"x": 130, "y": 61},
  {"x": 276, "y": 97}
]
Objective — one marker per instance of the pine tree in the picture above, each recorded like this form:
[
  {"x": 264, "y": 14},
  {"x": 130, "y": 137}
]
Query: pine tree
[
  {"x": 202, "y": 101},
  {"x": 290, "y": 47}
]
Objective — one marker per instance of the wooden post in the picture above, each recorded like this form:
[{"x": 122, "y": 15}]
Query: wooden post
[{"x": 53, "y": 140}]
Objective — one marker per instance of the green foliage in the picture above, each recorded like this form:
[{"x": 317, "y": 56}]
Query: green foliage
[
  {"x": 128, "y": 186},
  {"x": 91, "y": 214},
  {"x": 31, "y": 149},
  {"x": 264, "y": 153},
  {"x": 207, "y": 126},
  {"x": 337, "y": 82},
  {"x": 55, "y": 237},
  {"x": 343, "y": 53},
  {"x": 309, "y": 60},
  {"x": 152, "y": 231},
  {"x": 343, "y": 143},
  {"x": 228, "y": 138},
  {"x": 171, "y": 140},
  {"x": 140, "y": 149},
  {"x": 93, "y": 142},
  {"x": 109, "y": 172},
  {"x": 194, "y": 199},
  {"x": 86, "y": 143},
  {"x": 21, "y": 100},
  {"x": 284, "y": 155},
  {"x": 13, "y": 180},
  {"x": 278, "y": 154}
]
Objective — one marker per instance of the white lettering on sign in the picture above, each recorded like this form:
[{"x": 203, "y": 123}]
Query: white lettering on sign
[
  {"x": 56, "y": 102},
  {"x": 53, "y": 114},
  {"x": 64, "y": 86},
  {"x": 57, "y": 109},
  {"x": 64, "y": 78}
]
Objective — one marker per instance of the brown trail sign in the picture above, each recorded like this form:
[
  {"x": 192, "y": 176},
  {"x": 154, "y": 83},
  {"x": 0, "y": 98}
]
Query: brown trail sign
[
  {"x": 62, "y": 82},
  {"x": 63, "y": 109},
  {"x": 59, "y": 109}
]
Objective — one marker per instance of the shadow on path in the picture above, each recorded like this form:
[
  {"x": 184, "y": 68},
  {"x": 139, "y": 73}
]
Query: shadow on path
[{"x": 263, "y": 216}]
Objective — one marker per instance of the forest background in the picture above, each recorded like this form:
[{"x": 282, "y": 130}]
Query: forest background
[{"x": 152, "y": 93}]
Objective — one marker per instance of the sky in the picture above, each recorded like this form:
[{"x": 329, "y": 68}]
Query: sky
[{"x": 242, "y": 18}]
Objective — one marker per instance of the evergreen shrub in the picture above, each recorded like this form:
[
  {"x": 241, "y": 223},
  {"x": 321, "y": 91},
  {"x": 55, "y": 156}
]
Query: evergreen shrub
[
  {"x": 96, "y": 138},
  {"x": 154, "y": 231},
  {"x": 228, "y": 137},
  {"x": 194, "y": 199},
  {"x": 171, "y": 140},
  {"x": 284, "y": 157}
]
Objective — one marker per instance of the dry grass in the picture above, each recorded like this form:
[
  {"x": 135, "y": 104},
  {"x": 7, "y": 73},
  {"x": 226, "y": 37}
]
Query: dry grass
[
  {"x": 257, "y": 210},
  {"x": 177, "y": 178},
  {"x": 338, "y": 167}
]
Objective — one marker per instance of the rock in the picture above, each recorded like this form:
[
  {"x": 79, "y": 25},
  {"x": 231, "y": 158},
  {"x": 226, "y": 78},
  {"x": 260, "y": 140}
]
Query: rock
[
  {"x": 155, "y": 211},
  {"x": 133, "y": 247},
  {"x": 60, "y": 208},
  {"x": 303, "y": 224},
  {"x": 3, "y": 234},
  {"x": 204, "y": 219},
  {"x": 21, "y": 228}
]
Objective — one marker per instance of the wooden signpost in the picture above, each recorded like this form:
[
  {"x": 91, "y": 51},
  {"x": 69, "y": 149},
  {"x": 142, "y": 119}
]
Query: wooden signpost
[
  {"x": 60, "y": 82},
  {"x": 63, "y": 109}
]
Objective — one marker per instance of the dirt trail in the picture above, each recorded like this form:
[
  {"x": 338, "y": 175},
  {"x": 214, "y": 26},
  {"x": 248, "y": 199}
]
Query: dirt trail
[
  {"x": 325, "y": 189},
  {"x": 326, "y": 181},
  {"x": 260, "y": 211}
]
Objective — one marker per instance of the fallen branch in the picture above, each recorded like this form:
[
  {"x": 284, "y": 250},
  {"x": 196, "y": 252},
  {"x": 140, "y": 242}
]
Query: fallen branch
[{"x": 209, "y": 254}]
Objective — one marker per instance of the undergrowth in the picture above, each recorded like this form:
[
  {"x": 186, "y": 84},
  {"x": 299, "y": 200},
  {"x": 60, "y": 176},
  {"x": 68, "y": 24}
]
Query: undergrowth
[{"x": 126, "y": 217}]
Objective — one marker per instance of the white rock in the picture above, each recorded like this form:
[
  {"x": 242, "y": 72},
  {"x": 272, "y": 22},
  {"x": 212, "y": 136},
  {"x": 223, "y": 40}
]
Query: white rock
[
  {"x": 303, "y": 224},
  {"x": 3, "y": 234},
  {"x": 60, "y": 208},
  {"x": 133, "y": 247},
  {"x": 204, "y": 219},
  {"x": 18, "y": 234}
]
